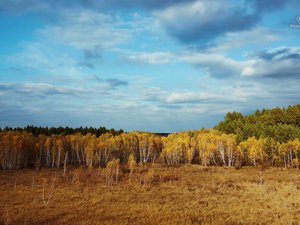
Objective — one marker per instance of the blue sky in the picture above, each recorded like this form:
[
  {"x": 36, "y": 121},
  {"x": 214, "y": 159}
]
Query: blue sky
[{"x": 150, "y": 65}]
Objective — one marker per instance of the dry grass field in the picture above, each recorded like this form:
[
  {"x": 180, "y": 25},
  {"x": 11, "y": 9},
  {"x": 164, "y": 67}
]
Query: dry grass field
[{"x": 152, "y": 194}]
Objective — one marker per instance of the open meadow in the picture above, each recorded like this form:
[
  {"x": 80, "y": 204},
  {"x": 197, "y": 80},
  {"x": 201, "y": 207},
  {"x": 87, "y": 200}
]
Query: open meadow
[{"x": 151, "y": 194}]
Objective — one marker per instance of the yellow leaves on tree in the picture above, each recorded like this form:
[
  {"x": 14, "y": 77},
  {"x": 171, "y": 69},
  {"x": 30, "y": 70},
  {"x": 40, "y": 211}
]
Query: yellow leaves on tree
[{"x": 253, "y": 149}]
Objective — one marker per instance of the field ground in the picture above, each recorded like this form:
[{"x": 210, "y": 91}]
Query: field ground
[{"x": 153, "y": 194}]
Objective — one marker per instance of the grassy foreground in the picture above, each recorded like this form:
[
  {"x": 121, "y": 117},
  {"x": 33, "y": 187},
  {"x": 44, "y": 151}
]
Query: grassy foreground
[{"x": 153, "y": 194}]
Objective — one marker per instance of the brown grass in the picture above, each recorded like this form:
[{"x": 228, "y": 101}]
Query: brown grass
[{"x": 153, "y": 194}]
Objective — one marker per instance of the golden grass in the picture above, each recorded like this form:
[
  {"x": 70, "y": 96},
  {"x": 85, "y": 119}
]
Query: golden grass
[{"x": 154, "y": 194}]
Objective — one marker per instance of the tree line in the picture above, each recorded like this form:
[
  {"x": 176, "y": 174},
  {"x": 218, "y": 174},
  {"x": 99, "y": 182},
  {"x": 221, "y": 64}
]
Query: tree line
[
  {"x": 36, "y": 131},
  {"x": 206, "y": 147},
  {"x": 228, "y": 145}
]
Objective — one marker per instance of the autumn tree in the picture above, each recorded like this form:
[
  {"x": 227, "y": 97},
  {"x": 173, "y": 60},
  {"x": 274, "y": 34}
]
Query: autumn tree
[{"x": 254, "y": 150}]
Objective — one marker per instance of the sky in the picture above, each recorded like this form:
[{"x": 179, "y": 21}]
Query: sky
[{"x": 147, "y": 65}]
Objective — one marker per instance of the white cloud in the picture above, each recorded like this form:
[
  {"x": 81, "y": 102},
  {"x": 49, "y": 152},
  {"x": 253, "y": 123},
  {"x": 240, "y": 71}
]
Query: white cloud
[
  {"x": 87, "y": 29},
  {"x": 189, "y": 97},
  {"x": 151, "y": 58},
  {"x": 216, "y": 64},
  {"x": 248, "y": 71},
  {"x": 257, "y": 36},
  {"x": 277, "y": 63},
  {"x": 188, "y": 10}
]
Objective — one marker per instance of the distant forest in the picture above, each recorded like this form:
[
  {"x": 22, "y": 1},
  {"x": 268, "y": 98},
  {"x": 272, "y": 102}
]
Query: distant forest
[
  {"x": 281, "y": 124},
  {"x": 269, "y": 136},
  {"x": 36, "y": 131}
]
